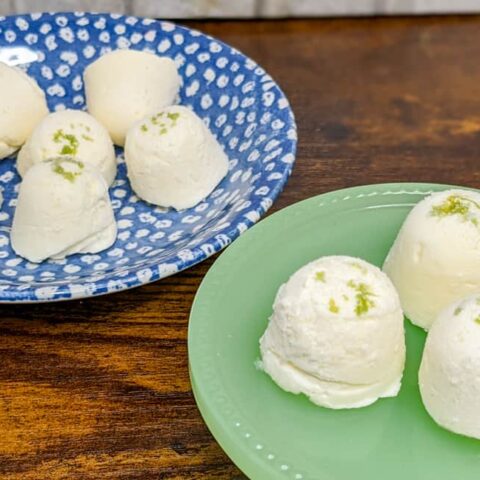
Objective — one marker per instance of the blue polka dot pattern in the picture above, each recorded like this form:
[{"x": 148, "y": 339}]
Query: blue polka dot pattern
[{"x": 236, "y": 98}]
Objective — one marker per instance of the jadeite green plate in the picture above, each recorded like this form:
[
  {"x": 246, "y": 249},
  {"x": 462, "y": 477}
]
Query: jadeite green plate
[{"x": 271, "y": 434}]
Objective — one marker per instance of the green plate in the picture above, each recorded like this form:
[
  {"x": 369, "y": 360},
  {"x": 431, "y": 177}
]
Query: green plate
[{"x": 271, "y": 434}]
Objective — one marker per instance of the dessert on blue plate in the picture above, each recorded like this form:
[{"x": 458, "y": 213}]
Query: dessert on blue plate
[
  {"x": 173, "y": 159},
  {"x": 125, "y": 85},
  {"x": 22, "y": 106},
  {"x": 63, "y": 208},
  {"x": 235, "y": 98},
  {"x": 72, "y": 133}
]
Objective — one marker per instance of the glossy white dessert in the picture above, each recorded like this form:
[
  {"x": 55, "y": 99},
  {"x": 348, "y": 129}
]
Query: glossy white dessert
[
  {"x": 173, "y": 160},
  {"x": 63, "y": 208},
  {"x": 125, "y": 85},
  {"x": 22, "y": 106},
  {"x": 435, "y": 259},
  {"x": 336, "y": 334},
  {"x": 449, "y": 373},
  {"x": 71, "y": 133}
]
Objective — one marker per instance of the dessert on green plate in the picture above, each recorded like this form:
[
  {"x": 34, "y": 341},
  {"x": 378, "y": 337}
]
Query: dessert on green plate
[
  {"x": 336, "y": 334},
  {"x": 449, "y": 373},
  {"x": 435, "y": 259}
]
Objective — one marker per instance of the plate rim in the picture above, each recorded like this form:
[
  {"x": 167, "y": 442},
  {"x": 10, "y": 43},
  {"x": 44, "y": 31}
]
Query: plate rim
[
  {"x": 243, "y": 457},
  {"x": 13, "y": 295}
]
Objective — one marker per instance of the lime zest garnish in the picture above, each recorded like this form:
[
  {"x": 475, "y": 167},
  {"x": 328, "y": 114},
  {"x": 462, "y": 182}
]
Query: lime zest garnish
[
  {"x": 457, "y": 205},
  {"x": 363, "y": 297},
  {"x": 57, "y": 167},
  {"x": 359, "y": 267},
  {"x": 332, "y": 306},
  {"x": 173, "y": 116},
  {"x": 164, "y": 126},
  {"x": 320, "y": 276},
  {"x": 69, "y": 141}
]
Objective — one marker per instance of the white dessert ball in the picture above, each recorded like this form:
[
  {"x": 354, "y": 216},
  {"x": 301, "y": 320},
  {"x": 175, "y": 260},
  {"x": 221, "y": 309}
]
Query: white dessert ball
[
  {"x": 22, "y": 106},
  {"x": 449, "y": 373},
  {"x": 173, "y": 160},
  {"x": 70, "y": 133},
  {"x": 63, "y": 208},
  {"x": 435, "y": 259},
  {"x": 336, "y": 334},
  {"x": 125, "y": 85}
]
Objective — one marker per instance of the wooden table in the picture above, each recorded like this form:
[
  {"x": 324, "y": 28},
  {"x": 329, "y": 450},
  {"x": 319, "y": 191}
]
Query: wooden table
[{"x": 99, "y": 388}]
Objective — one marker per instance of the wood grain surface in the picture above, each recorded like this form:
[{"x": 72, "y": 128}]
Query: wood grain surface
[{"x": 99, "y": 388}]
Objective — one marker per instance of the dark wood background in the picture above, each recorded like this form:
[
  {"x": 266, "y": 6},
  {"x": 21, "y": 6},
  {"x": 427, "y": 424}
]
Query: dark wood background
[{"x": 99, "y": 388}]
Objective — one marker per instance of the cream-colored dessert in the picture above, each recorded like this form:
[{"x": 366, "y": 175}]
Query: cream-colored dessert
[
  {"x": 22, "y": 106},
  {"x": 125, "y": 85},
  {"x": 449, "y": 373},
  {"x": 435, "y": 259},
  {"x": 173, "y": 160},
  {"x": 71, "y": 133},
  {"x": 63, "y": 208},
  {"x": 336, "y": 334}
]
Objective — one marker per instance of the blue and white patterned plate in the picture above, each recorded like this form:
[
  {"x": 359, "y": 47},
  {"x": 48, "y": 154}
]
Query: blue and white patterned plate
[{"x": 241, "y": 103}]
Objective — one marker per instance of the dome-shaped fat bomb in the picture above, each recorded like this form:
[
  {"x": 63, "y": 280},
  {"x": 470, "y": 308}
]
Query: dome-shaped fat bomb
[
  {"x": 63, "y": 208},
  {"x": 125, "y": 85},
  {"x": 435, "y": 259},
  {"x": 72, "y": 133},
  {"x": 449, "y": 379},
  {"x": 22, "y": 106},
  {"x": 336, "y": 334},
  {"x": 173, "y": 160}
]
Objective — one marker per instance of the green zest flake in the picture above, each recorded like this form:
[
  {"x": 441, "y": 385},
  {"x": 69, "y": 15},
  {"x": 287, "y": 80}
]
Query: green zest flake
[
  {"x": 164, "y": 124},
  {"x": 87, "y": 138},
  {"x": 156, "y": 118},
  {"x": 332, "y": 306},
  {"x": 477, "y": 320},
  {"x": 345, "y": 297},
  {"x": 320, "y": 276},
  {"x": 57, "y": 136},
  {"x": 57, "y": 167},
  {"x": 173, "y": 116},
  {"x": 363, "y": 297},
  {"x": 359, "y": 267},
  {"x": 453, "y": 205},
  {"x": 457, "y": 205},
  {"x": 144, "y": 128},
  {"x": 69, "y": 141},
  {"x": 458, "y": 311}
]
